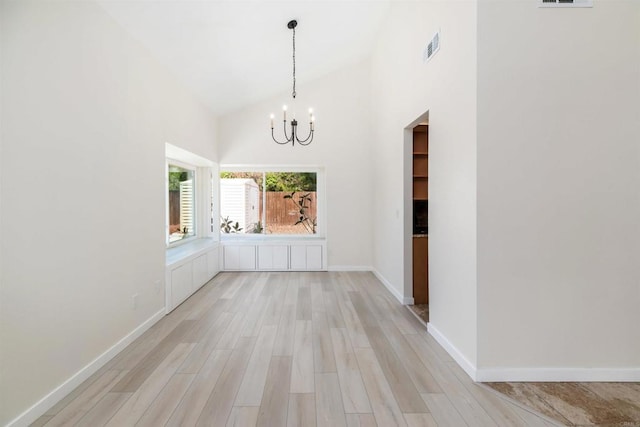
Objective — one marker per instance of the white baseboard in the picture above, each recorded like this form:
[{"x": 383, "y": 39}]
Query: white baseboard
[
  {"x": 460, "y": 359},
  {"x": 534, "y": 374},
  {"x": 558, "y": 374},
  {"x": 401, "y": 298},
  {"x": 47, "y": 402},
  {"x": 349, "y": 268}
]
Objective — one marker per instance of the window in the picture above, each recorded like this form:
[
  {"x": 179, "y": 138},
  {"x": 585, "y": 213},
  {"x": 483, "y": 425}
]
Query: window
[
  {"x": 191, "y": 210},
  {"x": 269, "y": 202},
  {"x": 182, "y": 203}
]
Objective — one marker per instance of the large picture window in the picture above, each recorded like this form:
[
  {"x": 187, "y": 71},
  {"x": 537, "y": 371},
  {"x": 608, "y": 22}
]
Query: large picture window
[
  {"x": 182, "y": 203},
  {"x": 268, "y": 202}
]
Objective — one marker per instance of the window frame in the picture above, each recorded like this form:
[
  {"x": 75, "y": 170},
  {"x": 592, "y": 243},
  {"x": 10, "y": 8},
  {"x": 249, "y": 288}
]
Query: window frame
[
  {"x": 205, "y": 192},
  {"x": 321, "y": 228},
  {"x": 196, "y": 201}
]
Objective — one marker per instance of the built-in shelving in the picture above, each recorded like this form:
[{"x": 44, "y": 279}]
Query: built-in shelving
[
  {"x": 420, "y": 163},
  {"x": 420, "y": 214}
]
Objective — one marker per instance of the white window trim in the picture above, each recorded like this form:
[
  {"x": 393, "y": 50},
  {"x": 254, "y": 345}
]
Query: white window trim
[
  {"x": 321, "y": 197},
  {"x": 204, "y": 171},
  {"x": 196, "y": 202}
]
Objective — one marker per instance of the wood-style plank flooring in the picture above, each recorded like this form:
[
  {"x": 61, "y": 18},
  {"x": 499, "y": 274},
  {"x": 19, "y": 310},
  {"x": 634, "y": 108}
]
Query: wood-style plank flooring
[{"x": 286, "y": 349}]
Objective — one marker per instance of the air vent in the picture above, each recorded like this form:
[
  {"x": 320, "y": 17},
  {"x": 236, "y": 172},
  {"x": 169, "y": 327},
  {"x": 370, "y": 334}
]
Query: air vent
[
  {"x": 565, "y": 3},
  {"x": 432, "y": 48}
]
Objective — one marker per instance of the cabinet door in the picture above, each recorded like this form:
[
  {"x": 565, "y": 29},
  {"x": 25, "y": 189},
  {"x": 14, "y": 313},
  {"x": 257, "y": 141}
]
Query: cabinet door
[
  {"x": 181, "y": 279},
  {"x": 314, "y": 257},
  {"x": 281, "y": 257},
  {"x": 298, "y": 257},
  {"x": 273, "y": 257},
  {"x": 306, "y": 257},
  {"x": 199, "y": 272},
  {"x": 240, "y": 257},
  {"x": 421, "y": 270},
  {"x": 231, "y": 257},
  {"x": 212, "y": 263},
  {"x": 247, "y": 257}
]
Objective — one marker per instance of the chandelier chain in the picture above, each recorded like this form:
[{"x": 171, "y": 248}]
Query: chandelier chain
[{"x": 294, "y": 62}]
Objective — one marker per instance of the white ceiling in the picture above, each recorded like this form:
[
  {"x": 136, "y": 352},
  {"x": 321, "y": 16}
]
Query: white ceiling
[{"x": 234, "y": 53}]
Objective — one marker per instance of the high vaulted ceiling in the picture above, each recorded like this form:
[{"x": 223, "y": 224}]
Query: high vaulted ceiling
[{"x": 234, "y": 53}]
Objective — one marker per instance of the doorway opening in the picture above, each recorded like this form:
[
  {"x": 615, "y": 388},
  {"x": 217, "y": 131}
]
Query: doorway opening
[{"x": 417, "y": 217}]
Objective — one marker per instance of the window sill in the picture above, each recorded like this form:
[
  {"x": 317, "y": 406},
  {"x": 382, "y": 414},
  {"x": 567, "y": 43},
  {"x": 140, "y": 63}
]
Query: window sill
[
  {"x": 239, "y": 238},
  {"x": 188, "y": 250}
]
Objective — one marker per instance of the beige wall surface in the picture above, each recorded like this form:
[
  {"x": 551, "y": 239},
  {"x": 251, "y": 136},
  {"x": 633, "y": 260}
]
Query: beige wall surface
[
  {"x": 404, "y": 88},
  {"x": 558, "y": 187},
  {"x": 85, "y": 116}
]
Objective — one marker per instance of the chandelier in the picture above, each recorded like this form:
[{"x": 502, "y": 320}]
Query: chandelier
[{"x": 292, "y": 136}]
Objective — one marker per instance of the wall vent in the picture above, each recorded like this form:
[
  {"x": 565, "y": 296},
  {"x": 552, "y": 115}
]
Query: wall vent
[
  {"x": 432, "y": 48},
  {"x": 565, "y": 3}
]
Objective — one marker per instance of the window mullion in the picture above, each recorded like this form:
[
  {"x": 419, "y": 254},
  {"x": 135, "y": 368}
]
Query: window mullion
[{"x": 264, "y": 202}]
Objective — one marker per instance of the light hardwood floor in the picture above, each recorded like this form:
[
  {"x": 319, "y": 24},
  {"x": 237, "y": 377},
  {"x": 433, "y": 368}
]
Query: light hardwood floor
[{"x": 286, "y": 349}]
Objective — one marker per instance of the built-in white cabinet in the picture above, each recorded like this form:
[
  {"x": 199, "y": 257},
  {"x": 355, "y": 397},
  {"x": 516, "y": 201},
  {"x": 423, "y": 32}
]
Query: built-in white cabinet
[
  {"x": 200, "y": 269},
  {"x": 298, "y": 257},
  {"x": 189, "y": 267},
  {"x": 268, "y": 255},
  {"x": 239, "y": 257},
  {"x": 306, "y": 257},
  {"x": 213, "y": 266},
  {"x": 273, "y": 257},
  {"x": 181, "y": 282}
]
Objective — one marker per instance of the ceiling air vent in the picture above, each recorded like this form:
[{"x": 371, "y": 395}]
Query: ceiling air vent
[
  {"x": 565, "y": 3},
  {"x": 432, "y": 48}
]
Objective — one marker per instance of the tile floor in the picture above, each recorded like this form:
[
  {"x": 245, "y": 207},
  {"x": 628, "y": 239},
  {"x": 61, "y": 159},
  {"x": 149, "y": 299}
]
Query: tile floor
[
  {"x": 572, "y": 404},
  {"x": 580, "y": 404}
]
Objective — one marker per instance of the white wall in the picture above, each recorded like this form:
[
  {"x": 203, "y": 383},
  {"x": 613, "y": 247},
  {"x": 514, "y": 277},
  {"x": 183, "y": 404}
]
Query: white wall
[
  {"x": 558, "y": 190},
  {"x": 403, "y": 89},
  {"x": 342, "y": 145},
  {"x": 85, "y": 116}
]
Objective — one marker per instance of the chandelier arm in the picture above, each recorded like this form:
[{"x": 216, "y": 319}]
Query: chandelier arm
[
  {"x": 276, "y": 141},
  {"x": 307, "y": 140},
  {"x": 284, "y": 128}
]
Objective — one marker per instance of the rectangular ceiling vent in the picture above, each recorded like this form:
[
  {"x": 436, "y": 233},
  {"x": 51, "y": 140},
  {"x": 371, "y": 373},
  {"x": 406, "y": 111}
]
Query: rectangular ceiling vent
[
  {"x": 432, "y": 48},
  {"x": 565, "y": 3}
]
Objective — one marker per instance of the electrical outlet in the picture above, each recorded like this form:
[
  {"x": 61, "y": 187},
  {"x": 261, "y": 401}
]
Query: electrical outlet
[{"x": 134, "y": 301}]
